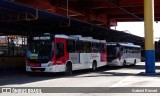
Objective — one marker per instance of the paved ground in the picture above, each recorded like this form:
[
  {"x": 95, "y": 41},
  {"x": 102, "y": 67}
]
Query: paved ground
[{"x": 103, "y": 77}]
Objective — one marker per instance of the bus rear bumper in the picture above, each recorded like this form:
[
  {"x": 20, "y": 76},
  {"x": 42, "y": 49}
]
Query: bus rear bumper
[{"x": 114, "y": 64}]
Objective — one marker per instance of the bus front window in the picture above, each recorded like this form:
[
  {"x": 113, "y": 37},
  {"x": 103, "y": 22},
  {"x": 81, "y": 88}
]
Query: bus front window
[
  {"x": 112, "y": 51},
  {"x": 40, "y": 51}
]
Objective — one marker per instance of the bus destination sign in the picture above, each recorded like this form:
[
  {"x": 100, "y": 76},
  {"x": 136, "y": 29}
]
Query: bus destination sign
[{"x": 42, "y": 38}]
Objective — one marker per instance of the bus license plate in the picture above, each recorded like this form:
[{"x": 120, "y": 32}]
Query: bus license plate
[
  {"x": 34, "y": 57},
  {"x": 38, "y": 71}
]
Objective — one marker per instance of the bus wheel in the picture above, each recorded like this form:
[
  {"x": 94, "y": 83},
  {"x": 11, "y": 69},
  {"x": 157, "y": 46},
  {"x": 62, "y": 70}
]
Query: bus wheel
[
  {"x": 68, "y": 69},
  {"x": 94, "y": 66},
  {"x": 134, "y": 62},
  {"x": 124, "y": 63}
]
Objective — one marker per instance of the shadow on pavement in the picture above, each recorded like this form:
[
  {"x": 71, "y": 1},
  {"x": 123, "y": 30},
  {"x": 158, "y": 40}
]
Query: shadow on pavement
[{"x": 23, "y": 78}]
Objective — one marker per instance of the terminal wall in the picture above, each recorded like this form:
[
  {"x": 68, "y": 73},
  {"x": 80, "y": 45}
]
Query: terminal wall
[{"x": 12, "y": 64}]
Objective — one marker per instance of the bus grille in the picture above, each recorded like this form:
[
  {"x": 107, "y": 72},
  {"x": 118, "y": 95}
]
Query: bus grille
[{"x": 35, "y": 69}]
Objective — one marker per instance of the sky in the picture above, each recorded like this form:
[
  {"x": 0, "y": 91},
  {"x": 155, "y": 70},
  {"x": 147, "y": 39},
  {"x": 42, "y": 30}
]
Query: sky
[{"x": 137, "y": 28}]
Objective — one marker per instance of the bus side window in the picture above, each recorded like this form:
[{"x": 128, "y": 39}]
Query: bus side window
[
  {"x": 79, "y": 46},
  {"x": 124, "y": 50},
  {"x": 87, "y": 47},
  {"x": 101, "y": 48},
  {"x": 59, "y": 50},
  {"x": 127, "y": 50},
  {"x": 121, "y": 49},
  {"x": 95, "y": 47},
  {"x": 71, "y": 46},
  {"x": 139, "y": 51}
]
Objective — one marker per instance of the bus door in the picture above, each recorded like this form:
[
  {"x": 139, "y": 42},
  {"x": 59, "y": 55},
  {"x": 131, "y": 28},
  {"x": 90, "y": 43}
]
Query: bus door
[{"x": 60, "y": 51}]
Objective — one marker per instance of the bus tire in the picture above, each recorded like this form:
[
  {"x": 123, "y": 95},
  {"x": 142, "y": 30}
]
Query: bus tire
[
  {"x": 94, "y": 66},
  {"x": 68, "y": 69},
  {"x": 134, "y": 62},
  {"x": 124, "y": 63}
]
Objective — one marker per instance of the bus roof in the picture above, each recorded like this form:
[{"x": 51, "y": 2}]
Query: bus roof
[
  {"x": 79, "y": 37},
  {"x": 61, "y": 36},
  {"x": 123, "y": 44}
]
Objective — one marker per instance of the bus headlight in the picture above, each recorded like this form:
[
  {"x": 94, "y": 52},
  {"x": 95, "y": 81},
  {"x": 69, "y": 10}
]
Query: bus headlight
[
  {"x": 27, "y": 64},
  {"x": 50, "y": 63}
]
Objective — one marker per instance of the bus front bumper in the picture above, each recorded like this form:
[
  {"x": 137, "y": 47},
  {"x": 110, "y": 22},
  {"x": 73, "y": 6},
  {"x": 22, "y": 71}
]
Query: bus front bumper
[{"x": 53, "y": 68}]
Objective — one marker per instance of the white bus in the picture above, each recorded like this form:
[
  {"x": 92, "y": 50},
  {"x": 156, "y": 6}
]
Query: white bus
[
  {"x": 121, "y": 54},
  {"x": 61, "y": 53}
]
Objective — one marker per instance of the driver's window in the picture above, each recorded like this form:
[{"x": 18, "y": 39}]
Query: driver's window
[{"x": 59, "y": 50}]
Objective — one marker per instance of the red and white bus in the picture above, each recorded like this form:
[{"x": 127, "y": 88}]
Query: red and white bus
[{"x": 61, "y": 53}]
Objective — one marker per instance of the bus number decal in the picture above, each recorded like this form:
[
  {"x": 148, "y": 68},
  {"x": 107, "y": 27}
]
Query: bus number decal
[{"x": 94, "y": 56}]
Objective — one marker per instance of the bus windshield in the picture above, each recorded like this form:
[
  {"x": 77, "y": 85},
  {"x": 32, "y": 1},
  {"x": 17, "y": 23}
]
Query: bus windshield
[
  {"x": 112, "y": 51},
  {"x": 41, "y": 51}
]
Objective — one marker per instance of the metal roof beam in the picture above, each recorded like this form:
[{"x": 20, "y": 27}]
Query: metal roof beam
[{"x": 111, "y": 1}]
